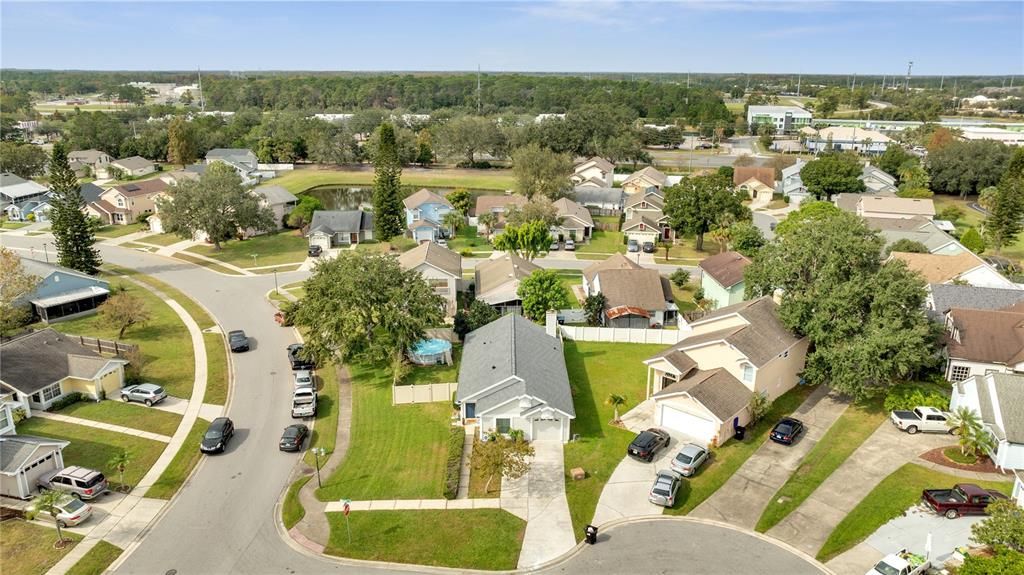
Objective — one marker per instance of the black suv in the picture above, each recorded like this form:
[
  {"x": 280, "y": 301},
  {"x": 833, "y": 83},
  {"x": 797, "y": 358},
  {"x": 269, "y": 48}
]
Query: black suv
[
  {"x": 297, "y": 359},
  {"x": 315, "y": 251},
  {"x": 648, "y": 247},
  {"x": 238, "y": 341},
  {"x": 215, "y": 440},
  {"x": 647, "y": 443}
]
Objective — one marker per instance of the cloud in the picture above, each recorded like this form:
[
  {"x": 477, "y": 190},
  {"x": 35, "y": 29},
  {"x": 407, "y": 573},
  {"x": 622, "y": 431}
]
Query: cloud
[{"x": 604, "y": 12}]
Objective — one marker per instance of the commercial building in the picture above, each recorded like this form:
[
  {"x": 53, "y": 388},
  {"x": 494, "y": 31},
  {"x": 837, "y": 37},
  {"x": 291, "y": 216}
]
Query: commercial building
[{"x": 785, "y": 119}]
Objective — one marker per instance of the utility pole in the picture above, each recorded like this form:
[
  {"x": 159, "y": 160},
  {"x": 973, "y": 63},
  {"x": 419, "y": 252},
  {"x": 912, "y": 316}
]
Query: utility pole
[
  {"x": 687, "y": 80},
  {"x": 910, "y": 66},
  {"x": 479, "y": 101},
  {"x": 942, "y": 82},
  {"x": 798, "y": 79},
  {"x": 202, "y": 95}
]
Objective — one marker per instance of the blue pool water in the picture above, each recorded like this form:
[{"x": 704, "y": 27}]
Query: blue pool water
[{"x": 426, "y": 347}]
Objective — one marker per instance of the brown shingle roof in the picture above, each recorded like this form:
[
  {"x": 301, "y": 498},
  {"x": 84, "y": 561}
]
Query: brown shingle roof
[
  {"x": 423, "y": 196},
  {"x": 641, "y": 288},
  {"x": 936, "y": 268},
  {"x": 763, "y": 174},
  {"x": 725, "y": 268},
  {"x": 143, "y": 188},
  {"x": 651, "y": 173},
  {"x": 429, "y": 252},
  {"x": 716, "y": 389},
  {"x": 485, "y": 204},
  {"x": 762, "y": 339},
  {"x": 599, "y": 162},
  {"x": 987, "y": 336},
  {"x": 565, "y": 208},
  {"x": 615, "y": 262},
  {"x": 638, "y": 219},
  {"x": 497, "y": 272}
]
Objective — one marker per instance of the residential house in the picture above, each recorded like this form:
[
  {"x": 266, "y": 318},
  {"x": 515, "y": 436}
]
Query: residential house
[
  {"x": 850, "y": 202},
  {"x": 178, "y": 176},
  {"x": 424, "y": 215},
  {"x": 24, "y": 459},
  {"x": 574, "y": 221},
  {"x": 643, "y": 229},
  {"x": 877, "y": 180},
  {"x": 602, "y": 201},
  {"x": 785, "y": 119},
  {"x": 37, "y": 210},
  {"x": 497, "y": 205},
  {"x": 513, "y": 376},
  {"x": 650, "y": 203},
  {"x": 497, "y": 281},
  {"x": 14, "y": 189},
  {"x": 702, "y": 386},
  {"x": 640, "y": 180},
  {"x": 242, "y": 160},
  {"x": 596, "y": 172},
  {"x": 122, "y": 205},
  {"x": 43, "y": 366},
  {"x": 6, "y": 418},
  {"x": 330, "y": 229},
  {"x": 279, "y": 200},
  {"x": 843, "y": 138},
  {"x": 721, "y": 278},
  {"x": 792, "y": 185},
  {"x": 998, "y": 401},
  {"x": 635, "y": 297},
  {"x": 95, "y": 160},
  {"x": 62, "y": 293},
  {"x": 134, "y": 166},
  {"x": 440, "y": 267},
  {"x": 874, "y": 206},
  {"x": 918, "y": 229},
  {"x": 944, "y": 297},
  {"x": 980, "y": 341},
  {"x": 758, "y": 182},
  {"x": 963, "y": 267}
]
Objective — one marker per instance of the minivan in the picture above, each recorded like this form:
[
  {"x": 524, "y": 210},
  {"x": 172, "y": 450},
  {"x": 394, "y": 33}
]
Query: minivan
[{"x": 80, "y": 482}]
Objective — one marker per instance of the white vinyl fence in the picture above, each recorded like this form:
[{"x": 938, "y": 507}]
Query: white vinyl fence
[
  {"x": 430, "y": 393},
  {"x": 623, "y": 334}
]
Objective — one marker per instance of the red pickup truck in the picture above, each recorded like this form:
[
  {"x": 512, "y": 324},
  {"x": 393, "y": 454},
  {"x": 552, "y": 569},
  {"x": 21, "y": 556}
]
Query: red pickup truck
[{"x": 962, "y": 499}]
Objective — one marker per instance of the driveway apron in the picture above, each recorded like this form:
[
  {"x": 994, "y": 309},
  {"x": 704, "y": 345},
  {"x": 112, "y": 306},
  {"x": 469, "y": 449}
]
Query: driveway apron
[{"x": 542, "y": 493}]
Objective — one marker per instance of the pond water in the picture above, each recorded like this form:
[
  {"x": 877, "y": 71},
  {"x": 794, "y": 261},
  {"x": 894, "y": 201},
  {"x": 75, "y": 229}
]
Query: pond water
[{"x": 355, "y": 197}]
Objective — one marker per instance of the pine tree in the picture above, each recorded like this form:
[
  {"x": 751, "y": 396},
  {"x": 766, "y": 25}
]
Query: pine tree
[
  {"x": 73, "y": 237},
  {"x": 387, "y": 204},
  {"x": 1003, "y": 224}
]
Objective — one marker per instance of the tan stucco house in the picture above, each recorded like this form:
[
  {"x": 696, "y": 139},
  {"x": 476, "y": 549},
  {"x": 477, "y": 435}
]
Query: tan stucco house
[
  {"x": 440, "y": 267},
  {"x": 122, "y": 205},
  {"x": 596, "y": 172},
  {"x": 640, "y": 180}
]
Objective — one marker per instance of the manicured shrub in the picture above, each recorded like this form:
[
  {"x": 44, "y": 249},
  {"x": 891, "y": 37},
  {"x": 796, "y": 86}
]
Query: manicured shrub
[
  {"x": 453, "y": 466},
  {"x": 71, "y": 398},
  {"x": 911, "y": 396}
]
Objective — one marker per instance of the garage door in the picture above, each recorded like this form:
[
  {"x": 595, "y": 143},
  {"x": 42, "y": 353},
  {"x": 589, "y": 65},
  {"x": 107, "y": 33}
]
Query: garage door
[
  {"x": 692, "y": 425},
  {"x": 322, "y": 241},
  {"x": 547, "y": 429}
]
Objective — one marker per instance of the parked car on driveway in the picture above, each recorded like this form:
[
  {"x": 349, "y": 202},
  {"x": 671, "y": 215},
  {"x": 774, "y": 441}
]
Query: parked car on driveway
[
  {"x": 962, "y": 499},
  {"x": 303, "y": 379},
  {"x": 297, "y": 359},
  {"x": 293, "y": 436},
  {"x": 570, "y": 245},
  {"x": 921, "y": 418},
  {"x": 648, "y": 247},
  {"x": 148, "y": 393},
  {"x": 787, "y": 430},
  {"x": 901, "y": 563},
  {"x": 554, "y": 246},
  {"x": 632, "y": 246},
  {"x": 689, "y": 459},
  {"x": 647, "y": 443},
  {"x": 238, "y": 341},
  {"x": 442, "y": 242},
  {"x": 70, "y": 512},
  {"x": 663, "y": 492},
  {"x": 216, "y": 438},
  {"x": 80, "y": 482},
  {"x": 315, "y": 251},
  {"x": 303, "y": 403}
]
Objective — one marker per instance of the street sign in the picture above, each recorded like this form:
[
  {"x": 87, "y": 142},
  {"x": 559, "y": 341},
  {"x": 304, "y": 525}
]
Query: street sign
[{"x": 347, "y": 509}]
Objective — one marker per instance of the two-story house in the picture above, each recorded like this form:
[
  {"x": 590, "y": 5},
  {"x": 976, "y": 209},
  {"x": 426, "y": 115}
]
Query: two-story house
[
  {"x": 645, "y": 219},
  {"x": 980, "y": 341},
  {"x": 244, "y": 161},
  {"x": 876, "y": 180},
  {"x": 279, "y": 200},
  {"x": 440, "y": 267},
  {"x": 721, "y": 278},
  {"x": 95, "y": 160},
  {"x": 122, "y": 205},
  {"x": 596, "y": 172},
  {"x": 640, "y": 180},
  {"x": 424, "y": 215},
  {"x": 998, "y": 401},
  {"x": 635, "y": 296},
  {"x": 574, "y": 221},
  {"x": 702, "y": 386}
]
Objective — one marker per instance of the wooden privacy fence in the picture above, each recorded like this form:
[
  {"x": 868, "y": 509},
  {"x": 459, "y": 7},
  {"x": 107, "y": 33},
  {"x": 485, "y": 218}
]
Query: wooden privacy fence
[
  {"x": 104, "y": 345},
  {"x": 429, "y": 393}
]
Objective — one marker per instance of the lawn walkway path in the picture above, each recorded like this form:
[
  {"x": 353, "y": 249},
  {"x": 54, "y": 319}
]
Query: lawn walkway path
[
  {"x": 101, "y": 425},
  {"x": 198, "y": 256}
]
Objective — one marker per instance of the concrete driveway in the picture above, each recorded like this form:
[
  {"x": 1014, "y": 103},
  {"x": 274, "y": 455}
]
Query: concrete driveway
[{"x": 539, "y": 497}]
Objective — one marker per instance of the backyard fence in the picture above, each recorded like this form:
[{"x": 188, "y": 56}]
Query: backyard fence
[
  {"x": 445, "y": 333},
  {"x": 623, "y": 334},
  {"x": 105, "y": 345},
  {"x": 428, "y": 393}
]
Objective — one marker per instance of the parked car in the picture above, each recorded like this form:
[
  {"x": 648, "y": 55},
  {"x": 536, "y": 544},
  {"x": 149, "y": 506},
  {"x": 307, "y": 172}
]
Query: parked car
[
  {"x": 663, "y": 492},
  {"x": 554, "y": 246},
  {"x": 293, "y": 436},
  {"x": 216, "y": 438},
  {"x": 442, "y": 242},
  {"x": 901, "y": 563},
  {"x": 787, "y": 430},
  {"x": 689, "y": 459},
  {"x": 70, "y": 512},
  {"x": 962, "y": 499},
  {"x": 238, "y": 341},
  {"x": 570, "y": 245},
  {"x": 148, "y": 393},
  {"x": 80, "y": 482},
  {"x": 304, "y": 403},
  {"x": 297, "y": 359},
  {"x": 632, "y": 246},
  {"x": 648, "y": 247},
  {"x": 922, "y": 418},
  {"x": 647, "y": 443},
  {"x": 315, "y": 251},
  {"x": 303, "y": 379}
]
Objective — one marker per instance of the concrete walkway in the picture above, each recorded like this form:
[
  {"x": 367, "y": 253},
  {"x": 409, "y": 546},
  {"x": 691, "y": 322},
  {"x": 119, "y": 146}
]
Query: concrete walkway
[
  {"x": 742, "y": 499},
  {"x": 176, "y": 247},
  {"x": 539, "y": 497},
  {"x": 232, "y": 267},
  {"x": 413, "y": 504},
  {"x": 208, "y": 411},
  {"x": 101, "y": 425}
]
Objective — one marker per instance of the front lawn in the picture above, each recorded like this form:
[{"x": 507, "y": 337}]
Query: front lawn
[
  {"x": 685, "y": 252},
  {"x": 118, "y": 231},
  {"x": 603, "y": 242},
  {"x": 596, "y": 370},
  {"x": 284, "y": 247},
  {"x": 97, "y": 560},
  {"x": 955, "y": 455},
  {"x": 94, "y": 448},
  {"x": 852, "y": 428},
  {"x": 9, "y": 225},
  {"x": 161, "y": 239},
  {"x": 27, "y": 548},
  {"x": 727, "y": 459},
  {"x": 181, "y": 465},
  {"x": 396, "y": 451},
  {"x": 570, "y": 278},
  {"x": 466, "y": 239},
  {"x": 424, "y": 374},
  {"x": 467, "y": 539},
  {"x": 889, "y": 500},
  {"x": 213, "y": 266},
  {"x": 216, "y": 369},
  {"x": 298, "y": 181},
  {"x": 133, "y": 415},
  {"x": 291, "y": 510},
  {"x": 325, "y": 426}
]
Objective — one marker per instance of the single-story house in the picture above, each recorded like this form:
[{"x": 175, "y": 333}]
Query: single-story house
[
  {"x": 603, "y": 200},
  {"x": 330, "y": 228},
  {"x": 497, "y": 205},
  {"x": 497, "y": 281},
  {"x": 640, "y": 180},
  {"x": 962, "y": 267},
  {"x": 62, "y": 293},
  {"x": 134, "y": 166},
  {"x": 944, "y": 297},
  {"x": 702, "y": 386},
  {"x": 574, "y": 221},
  {"x": 279, "y": 200},
  {"x": 918, "y": 229},
  {"x": 36, "y": 210},
  {"x": 722, "y": 278},
  {"x": 513, "y": 376},
  {"x": 43, "y": 366},
  {"x": 980, "y": 341},
  {"x": 875, "y": 206},
  {"x": 998, "y": 400},
  {"x": 440, "y": 267},
  {"x": 122, "y": 205},
  {"x": 23, "y": 459},
  {"x": 14, "y": 189},
  {"x": 1018, "y": 487},
  {"x": 596, "y": 172},
  {"x": 424, "y": 215},
  {"x": 635, "y": 296},
  {"x": 757, "y": 182}
]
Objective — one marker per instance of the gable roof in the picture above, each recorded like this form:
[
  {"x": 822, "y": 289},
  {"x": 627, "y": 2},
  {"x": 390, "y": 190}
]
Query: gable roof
[
  {"x": 596, "y": 161},
  {"x": 566, "y": 208},
  {"x": 514, "y": 347},
  {"x": 424, "y": 196},
  {"x": 638, "y": 219},
  {"x": 986, "y": 336},
  {"x": 485, "y": 204},
  {"x": 763, "y": 174},
  {"x": 635, "y": 288},
  {"x": 650, "y": 173},
  {"x": 616, "y": 261},
  {"x": 141, "y": 188},
  {"x": 793, "y": 170},
  {"x": 725, "y": 268},
  {"x": 17, "y": 450},
  {"x": 502, "y": 272},
  {"x": 936, "y": 268},
  {"x": 430, "y": 253},
  {"x": 334, "y": 221},
  {"x": 86, "y": 156},
  {"x": 276, "y": 195},
  {"x": 874, "y": 172},
  {"x": 133, "y": 163},
  {"x": 44, "y": 357},
  {"x": 15, "y": 187},
  {"x": 848, "y": 202},
  {"x": 945, "y": 297},
  {"x": 652, "y": 197},
  {"x": 90, "y": 192},
  {"x": 231, "y": 154},
  {"x": 43, "y": 270},
  {"x": 1006, "y": 390},
  {"x": 716, "y": 389},
  {"x": 587, "y": 195},
  {"x": 896, "y": 205},
  {"x": 917, "y": 228},
  {"x": 761, "y": 340}
]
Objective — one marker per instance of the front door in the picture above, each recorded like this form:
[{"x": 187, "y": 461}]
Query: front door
[
  {"x": 470, "y": 410},
  {"x": 353, "y": 238}
]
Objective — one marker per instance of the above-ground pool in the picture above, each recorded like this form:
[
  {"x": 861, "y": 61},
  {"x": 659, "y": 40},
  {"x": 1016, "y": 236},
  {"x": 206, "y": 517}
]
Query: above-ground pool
[{"x": 431, "y": 352}]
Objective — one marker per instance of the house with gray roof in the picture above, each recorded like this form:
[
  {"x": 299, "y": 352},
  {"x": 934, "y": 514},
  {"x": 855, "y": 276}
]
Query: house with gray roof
[
  {"x": 998, "y": 400},
  {"x": 61, "y": 293},
  {"x": 134, "y": 166},
  {"x": 333, "y": 228},
  {"x": 513, "y": 376},
  {"x": 944, "y": 297},
  {"x": 279, "y": 200},
  {"x": 440, "y": 267},
  {"x": 244, "y": 161},
  {"x": 604, "y": 200},
  {"x": 24, "y": 459},
  {"x": 15, "y": 189}
]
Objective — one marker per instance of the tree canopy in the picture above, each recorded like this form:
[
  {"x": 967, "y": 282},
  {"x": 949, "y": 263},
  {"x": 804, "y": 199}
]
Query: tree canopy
[
  {"x": 966, "y": 167},
  {"x": 699, "y": 204},
  {"x": 541, "y": 172},
  {"x": 526, "y": 240},
  {"x": 834, "y": 173},
  {"x": 72, "y": 235},
  {"x": 542, "y": 291}
]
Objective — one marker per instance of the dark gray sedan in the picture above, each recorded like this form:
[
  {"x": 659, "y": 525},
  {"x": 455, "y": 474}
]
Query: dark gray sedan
[{"x": 148, "y": 393}]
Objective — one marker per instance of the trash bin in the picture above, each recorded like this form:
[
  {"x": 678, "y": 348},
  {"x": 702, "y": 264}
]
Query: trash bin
[
  {"x": 591, "y": 533},
  {"x": 740, "y": 432}
]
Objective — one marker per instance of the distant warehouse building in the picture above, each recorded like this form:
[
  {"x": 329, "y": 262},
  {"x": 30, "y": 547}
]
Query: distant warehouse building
[
  {"x": 785, "y": 119},
  {"x": 1008, "y": 137}
]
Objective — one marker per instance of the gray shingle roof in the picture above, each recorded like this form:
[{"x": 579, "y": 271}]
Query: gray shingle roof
[
  {"x": 43, "y": 270},
  {"x": 90, "y": 192},
  {"x": 276, "y": 195},
  {"x": 513, "y": 346},
  {"x": 948, "y": 296},
  {"x": 589, "y": 195},
  {"x": 762, "y": 339},
  {"x": 15, "y": 450},
  {"x": 42, "y": 358},
  {"x": 715, "y": 389},
  {"x": 133, "y": 163},
  {"x": 347, "y": 222},
  {"x": 441, "y": 258}
]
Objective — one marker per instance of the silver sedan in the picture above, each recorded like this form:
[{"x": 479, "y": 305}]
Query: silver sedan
[{"x": 689, "y": 459}]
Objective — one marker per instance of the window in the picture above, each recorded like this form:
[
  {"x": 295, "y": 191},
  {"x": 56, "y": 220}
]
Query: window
[
  {"x": 959, "y": 373},
  {"x": 52, "y": 392},
  {"x": 5, "y": 418},
  {"x": 503, "y": 424},
  {"x": 748, "y": 373},
  {"x": 120, "y": 202}
]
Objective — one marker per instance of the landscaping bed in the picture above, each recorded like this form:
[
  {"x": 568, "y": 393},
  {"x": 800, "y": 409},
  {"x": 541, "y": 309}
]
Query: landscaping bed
[
  {"x": 96, "y": 560},
  {"x": 478, "y": 480},
  {"x": 181, "y": 466},
  {"x": 27, "y": 548},
  {"x": 950, "y": 457},
  {"x": 133, "y": 415}
]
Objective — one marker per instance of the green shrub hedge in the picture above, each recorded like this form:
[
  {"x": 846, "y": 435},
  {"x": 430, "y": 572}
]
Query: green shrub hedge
[
  {"x": 454, "y": 464},
  {"x": 911, "y": 396}
]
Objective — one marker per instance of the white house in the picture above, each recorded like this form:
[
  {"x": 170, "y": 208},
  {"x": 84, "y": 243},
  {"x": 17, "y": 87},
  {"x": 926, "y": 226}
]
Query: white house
[
  {"x": 596, "y": 172},
  {"x": 872, "y": 206},
  {"x": 982, "y": 341},
  {"x": 23, "y": 459},
  {"x": 998, "y": 400},
  {"x": 574, "y": 221},
  {"x": 860, "y": 140}
]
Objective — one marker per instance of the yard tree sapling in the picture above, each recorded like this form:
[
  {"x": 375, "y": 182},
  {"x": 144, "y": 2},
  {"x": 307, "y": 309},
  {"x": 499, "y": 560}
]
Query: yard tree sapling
[
  {"x": 502, "y": 456},
  {"x": 593, "y": 307},
  {"x": 615, "y": 400},
  {"x": 47, "y": 502},
  {"x": 123, "y": 310},
  {"x": 460, "y": 199}
]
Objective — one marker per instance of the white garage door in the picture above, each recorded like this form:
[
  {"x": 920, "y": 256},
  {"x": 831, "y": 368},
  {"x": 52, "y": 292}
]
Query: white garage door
[
  {"x": 547, "y": 429},
  {"x": 692, "y": 425},
  {"x": 323, "y": 241}
]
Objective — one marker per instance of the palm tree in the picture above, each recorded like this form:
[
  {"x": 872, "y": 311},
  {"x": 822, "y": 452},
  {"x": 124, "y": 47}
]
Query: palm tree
[
  {"x": 453, "y": 220},
  {"x": 487, "y": 220},
  {"x": 120, "y": 462},
  {"x": 965, "y": 423},
  {"x": 47, "y": 502},
  {"x": 615, "y": 400}
]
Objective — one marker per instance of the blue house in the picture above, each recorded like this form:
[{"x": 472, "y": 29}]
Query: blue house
[
  {"x": 424, "y": 215},
  {"x": 62, "y": 293}
]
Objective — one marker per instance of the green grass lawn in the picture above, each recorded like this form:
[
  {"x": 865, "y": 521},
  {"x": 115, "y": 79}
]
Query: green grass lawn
[
  {"x": 685, "y": 252},
  {"x": 181, "y": 466},
  {"x": 684, "y": 297},
  {"x": 398, "y": 244},
  {"x": 284, "y": 247},
  {"x": 96, "y": 561},
  {"x": 133, "y": 415},
  {"x": 852, "y": 428},
  {"x": 183, "y": 256},
  {"x": 603, "y": 242},
  {"x": 478, "y": 487},
  {"x": 216, "y": 369},
  {"x": 727, "y": 459},
  {"x": 291, "y": 510},
  {"x": 954, "y": 454},
  {"x": 9, "y": 225},
  {"x": 118, "y": 231},
  {"x": 888, "y": 500},
  {"x": 467, "y": 539},
  {"x": 570, "y": 278},
  {"x": 298, "y": 181},
  {"x": 93, "y": 448},
  {"x": 423, "y": 374},
  {"x": 27, "y": 548},
  {"x": 326, "y": 423},
  {"x": 597, "y": 369},
  {"x": 466, "y": 239},
  {"x": 396, "y": 451},
  {"x": 161, "y": 239},
  {"x": 973, "y": 219}
]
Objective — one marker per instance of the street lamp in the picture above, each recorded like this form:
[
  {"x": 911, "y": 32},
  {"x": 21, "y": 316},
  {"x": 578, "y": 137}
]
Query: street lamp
[
  {"x": 276, "y": 290},
  {"x": 317, "y": 452},
  {"x": 46, "y": 253}
]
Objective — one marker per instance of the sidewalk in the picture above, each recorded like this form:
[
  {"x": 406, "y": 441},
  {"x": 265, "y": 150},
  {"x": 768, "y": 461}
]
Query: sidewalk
[
  {"x": 101, "y": 425},
  {"x": 232, "y": 267}
]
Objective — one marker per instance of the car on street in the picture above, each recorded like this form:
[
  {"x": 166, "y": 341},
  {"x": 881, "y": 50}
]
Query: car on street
[
  {"x": 901, "y": 563},
  {"x": 148, "y": 393},
  {"x": 70, "y": 512},
  {"x": 648, "y": 247},
  {"x": 689, "y": 459},
  {"x": 304, "y": 403},
  {"x": 80, "y": 482},
  {"x": 921, "y": 418},
  {"x": 554, "y": 246},
  {"x": 293, "y": 436},
  {"x": 570, "y": 245},
  {"x": 315, "y": 251},
  {"x": 238, "y": 341},
  {"x": 666, "y": 484},
  {"x": 632, "y": 246},
  {"x": 787, "y": 430},
  {"x": 962, "y": 499},
  {"x": 303, "y": 379},
  {"x": 216, "y": 438},
  {"x": 647, "y": 443},
  {"x": 297, "y": 358}
]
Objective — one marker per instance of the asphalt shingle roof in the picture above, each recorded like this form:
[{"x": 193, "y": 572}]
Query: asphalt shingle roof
[
  {"x": 15, "y": 450},
  {"x": 347, "y": 221},
  {"x": 715, "y": 389},
  {"x": 43, "y": 358},
  {"x": 133, "y": 163},
  {"x": 441, "y": 258},
  {"x": 276, "y": 195},
  {"x": 948, "y": 296},
  {"x": 725, "y": 268},
  {"x": 589, "y": 195}
]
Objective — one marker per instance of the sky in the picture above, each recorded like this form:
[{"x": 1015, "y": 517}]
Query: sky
[{"x": 865, "y": 37}]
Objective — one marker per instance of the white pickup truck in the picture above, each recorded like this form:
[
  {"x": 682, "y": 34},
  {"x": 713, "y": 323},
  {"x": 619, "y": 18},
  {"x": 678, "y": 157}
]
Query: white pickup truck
[
  {"x": 304, "y": 403},
  {"x": 921, "y": 419},
  {"x": 901, "y": 563}
]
